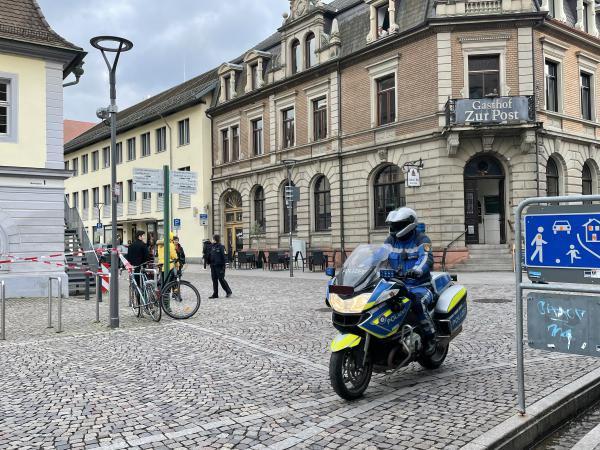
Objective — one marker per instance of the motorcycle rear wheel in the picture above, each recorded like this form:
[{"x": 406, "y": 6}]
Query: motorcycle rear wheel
[
  {"x": 349, "y": 378},
  {"x": 438, "y": 357}
]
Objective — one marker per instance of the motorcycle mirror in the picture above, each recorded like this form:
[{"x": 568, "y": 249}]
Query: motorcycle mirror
[{"x": 330, "y": 272}]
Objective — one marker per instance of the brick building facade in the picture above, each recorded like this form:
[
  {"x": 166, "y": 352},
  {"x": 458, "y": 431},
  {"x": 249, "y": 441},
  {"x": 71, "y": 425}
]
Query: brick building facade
[{"x": 495, "y": 100}]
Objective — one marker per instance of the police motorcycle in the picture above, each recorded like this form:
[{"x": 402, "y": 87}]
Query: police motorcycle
[{"x": 379, "y": 332}]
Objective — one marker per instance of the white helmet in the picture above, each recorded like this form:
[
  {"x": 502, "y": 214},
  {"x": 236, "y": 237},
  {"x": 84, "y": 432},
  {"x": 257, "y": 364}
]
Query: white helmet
[{"x": 402, "y": 221}]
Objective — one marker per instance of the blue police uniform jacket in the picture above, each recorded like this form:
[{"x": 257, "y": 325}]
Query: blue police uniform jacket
[{"x": 412, "y": 253}]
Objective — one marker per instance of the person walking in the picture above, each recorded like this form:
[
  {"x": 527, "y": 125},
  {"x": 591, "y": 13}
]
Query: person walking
[
  {"x": 217, "y": 259},
  {"x": 206, "y": 244}
]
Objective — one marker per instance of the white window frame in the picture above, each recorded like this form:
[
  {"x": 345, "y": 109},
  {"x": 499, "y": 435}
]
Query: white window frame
[
  {"x": 85, "y": 164},
  {"x": 478, "y": 48},
  {"x": 186, "y": 132},
  {"x": 282, "y": 103},
  {"x": 256, "y": 115},
  {"x": 105, "y": 151},
  {"x": 12, "y": 104},
  {"x": 131, "y": 147},
  {"x": 75, "y": 167},
  {"x": 163, "y": 132},
  {"x": 376, "y": 72},
  {"x": 313, "y": 93},
  {"x": 555, "y": 52},
  {"x": 236, "y": 122},
  {"x": 589, "y": 66},
  {"x": 145, "y": 143},
  {"x": 96, "y": 164}
]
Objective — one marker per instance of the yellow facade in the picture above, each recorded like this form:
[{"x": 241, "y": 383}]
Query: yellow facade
[
  {"x": 30, "y": 148},
  {"x": 195, "y": 155}
]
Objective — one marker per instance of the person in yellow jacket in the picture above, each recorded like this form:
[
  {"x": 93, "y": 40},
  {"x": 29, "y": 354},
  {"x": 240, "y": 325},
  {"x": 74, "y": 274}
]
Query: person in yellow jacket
[{"x": 160, "y": 246}]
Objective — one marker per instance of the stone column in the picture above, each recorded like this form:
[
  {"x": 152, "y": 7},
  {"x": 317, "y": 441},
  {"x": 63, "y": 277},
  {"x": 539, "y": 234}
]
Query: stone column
[
  {"x": 580, "y": 18},
  {"x": 394, "y": 28},
  {"x": 259, "y": 75},
  {"x": 560, "y": 10},
  {"x": 372, "y": 36},
  {"x": 232, "y": 84},
  {"x": 222, "y": 94},
  {"x": 592, "y": 19}
]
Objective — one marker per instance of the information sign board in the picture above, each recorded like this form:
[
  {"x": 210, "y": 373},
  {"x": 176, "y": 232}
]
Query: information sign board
[
  {"x": 148, "y": 180},
  {"x": 413, "y": 177},
  {"x": 203, "y": 219},
  {"x": 563, "y": 323},
  {"x": 184, "y": 182}
]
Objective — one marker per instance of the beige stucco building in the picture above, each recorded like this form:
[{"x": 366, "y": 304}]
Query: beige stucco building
[
  {"x": 34, "y": 60},
  {"x": 170, "y": 129}
]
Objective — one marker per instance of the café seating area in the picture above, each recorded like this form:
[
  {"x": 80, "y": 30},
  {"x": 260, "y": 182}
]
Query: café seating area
[{"x": 278, "y": 259}]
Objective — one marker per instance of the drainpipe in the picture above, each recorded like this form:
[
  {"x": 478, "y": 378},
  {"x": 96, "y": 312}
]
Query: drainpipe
[
  {"x": 212, "y": 165},
  {"x": 537, "y": 128},
  {"x": 78, "y": 72},
  {"x": 340, "y": 165},
  {"x": 170, "y": 168}
]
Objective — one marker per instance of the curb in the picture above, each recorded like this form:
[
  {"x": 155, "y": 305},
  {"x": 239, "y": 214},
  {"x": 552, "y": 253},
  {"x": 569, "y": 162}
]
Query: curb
[{"x": 519, "y": 432}]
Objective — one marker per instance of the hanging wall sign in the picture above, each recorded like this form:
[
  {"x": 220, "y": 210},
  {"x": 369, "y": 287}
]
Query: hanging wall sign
[{"x": 413, "y": 177}]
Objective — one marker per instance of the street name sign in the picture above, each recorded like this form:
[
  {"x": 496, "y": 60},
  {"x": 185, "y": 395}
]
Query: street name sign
[
  {"x": 563, "y": 323},
  {"x": 148, "y": 180},
  {"x": 562, "y": 243},
  {"x": 184, "y": 182}
]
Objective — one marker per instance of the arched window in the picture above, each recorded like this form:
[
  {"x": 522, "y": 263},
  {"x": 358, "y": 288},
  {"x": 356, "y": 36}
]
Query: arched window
[
  {"x": 586, "y": 179},
  {"x": 322, "y": 204},
  {"x": 296, "y": 56},
  {"x": 389, "y": 193},
  {"x": 259, "y": 208},
  {"x": 286, "y": 212},
  {"x": 552, "y": 178},
  {"x": 310, "y": 48}
]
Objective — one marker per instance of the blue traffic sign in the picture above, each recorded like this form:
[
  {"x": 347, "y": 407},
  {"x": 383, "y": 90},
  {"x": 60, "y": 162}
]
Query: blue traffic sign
[
  {"x": 203, "y": 216},
  {"x": 567, "y": 241},
  {"x": 176, "y": 223},
  {"x": 98, "y": 226}
]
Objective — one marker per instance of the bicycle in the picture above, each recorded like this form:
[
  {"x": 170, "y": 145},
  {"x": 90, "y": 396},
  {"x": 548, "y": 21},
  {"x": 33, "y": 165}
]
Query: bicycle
[
  {"x": 179, "y": 299},
  {"x": 145, "y": 297}
]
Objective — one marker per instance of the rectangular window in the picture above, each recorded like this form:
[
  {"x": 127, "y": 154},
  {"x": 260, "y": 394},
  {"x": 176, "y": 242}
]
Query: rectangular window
[
  {"x": 586, "y": 25},
  {"x": 225, "y": 145},
  {"x": 95, "y": 160},
  {"x": 131, "y": 149},
  {"x": 235, "y": 143},
  {"x": 146, "y": 195},
  {"x": 66, "y": 165},
  {"x": 288, "y": 128},
  {"x": 254, "y": 75},
  {"x": 383, "y": 20},
  {"x": 257, "y": 136},
  {"x": 185, "y": 201},
  {"x": 586, "y": 96},
  {"x": 145, "y": 138},
  {"x": 227, "y": 82},
  {"x": 84, "y": 164},
  {"x": 120, "y": 196},
  {"x": 107, "y": 196},
  {"x": 76, "y": 200},
  {"x": 75, "y": 167},
  {"x": 96, "y": 196},
  {"x": 85, "y": 197},
  {"x": 119, "y": 152},
  {"x": 4, "y": 107},
  {"x": 484, "y": 76},
  {"x": 320, "y": 119},
  {"x": 132, "y": 194},
  {"x": 184, "y": 132},
  {"x": 386, "y": 100},
  {"x": 161, "y": 139},
  {"x": 106, "y": 157},
  {"x": 551, "y": 8},
  {"x": 551, "y": 86}
]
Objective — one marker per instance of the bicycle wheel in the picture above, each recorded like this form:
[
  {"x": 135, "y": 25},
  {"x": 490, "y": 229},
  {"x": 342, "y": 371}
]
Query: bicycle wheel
[
  {"x": 134, "y": 301},
  {"x": 180, "y": 299},
  {"x": 152, "y": 305}
]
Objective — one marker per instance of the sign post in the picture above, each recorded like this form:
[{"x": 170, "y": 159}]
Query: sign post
[
  {"x": 167, "y": 222},
  {"x": 559, "y": 242}
]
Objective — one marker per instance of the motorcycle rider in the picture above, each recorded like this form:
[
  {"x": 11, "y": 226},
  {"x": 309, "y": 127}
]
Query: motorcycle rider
[{"x": 412, "y": 258}]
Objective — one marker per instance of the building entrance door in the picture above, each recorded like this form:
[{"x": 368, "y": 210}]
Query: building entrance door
[
  {"x": 485, "y": 218},
  {"x": 234, "y": 227}
]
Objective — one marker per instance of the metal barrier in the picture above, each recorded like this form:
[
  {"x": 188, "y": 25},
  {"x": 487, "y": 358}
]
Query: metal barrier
[
  {"x": 59, "y": 298},
  {"x": 2, "y": 311},
  {"x": 98, "y": 296}
]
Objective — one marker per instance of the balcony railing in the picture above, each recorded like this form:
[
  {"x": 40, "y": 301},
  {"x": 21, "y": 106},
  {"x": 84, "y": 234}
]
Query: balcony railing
[
  {"x": 132, "y": 208},
  {"x": 490, "y": 111},
  {"x": 483, "y": 6}
]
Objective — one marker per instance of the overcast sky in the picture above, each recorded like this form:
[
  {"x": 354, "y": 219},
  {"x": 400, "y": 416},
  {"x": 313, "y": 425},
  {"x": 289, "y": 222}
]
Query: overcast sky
[{"x": 172, "y": 39}]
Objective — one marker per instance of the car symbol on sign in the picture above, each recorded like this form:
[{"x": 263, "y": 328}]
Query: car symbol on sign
[{"x": 561, "y": 225}]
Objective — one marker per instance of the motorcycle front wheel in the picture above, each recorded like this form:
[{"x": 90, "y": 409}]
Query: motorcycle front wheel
[{"x": 349, "y": 377}]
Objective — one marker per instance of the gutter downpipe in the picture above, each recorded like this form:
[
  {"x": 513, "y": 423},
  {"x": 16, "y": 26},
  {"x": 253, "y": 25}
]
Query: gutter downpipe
[
  {"x": 170, "y": 168},
  {"x": 535, "y": 102},
  {"x": 340, "y": 165},
  {"x": 212, "y": 165}
]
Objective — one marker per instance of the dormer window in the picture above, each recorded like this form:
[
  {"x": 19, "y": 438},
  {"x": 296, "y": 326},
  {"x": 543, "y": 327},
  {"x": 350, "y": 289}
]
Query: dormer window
[
  {"x": 227, "y": 80},
  {"x": 310, "y": 50},
  {"x": 296, "y": 56},
  {"x": 383, "y": 20}
]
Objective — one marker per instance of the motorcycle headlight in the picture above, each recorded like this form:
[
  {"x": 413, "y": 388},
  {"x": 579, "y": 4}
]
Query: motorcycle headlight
[{"x": 351, "y": 305}]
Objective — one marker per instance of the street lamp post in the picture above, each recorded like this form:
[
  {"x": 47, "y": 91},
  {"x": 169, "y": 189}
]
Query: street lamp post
[
  {"x": 289, "y": 200},
  {"x": 112, "y": 44}
]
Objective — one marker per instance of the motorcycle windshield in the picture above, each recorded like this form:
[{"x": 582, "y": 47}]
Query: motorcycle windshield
[{"x": 362, "y": 268}]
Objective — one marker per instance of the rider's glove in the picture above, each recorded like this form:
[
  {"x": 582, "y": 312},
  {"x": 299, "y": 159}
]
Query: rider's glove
[{"x": 414, "y": 273}]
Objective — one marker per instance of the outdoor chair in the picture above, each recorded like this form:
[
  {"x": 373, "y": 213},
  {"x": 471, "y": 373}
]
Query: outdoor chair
[
  {"x": 243, "y": 259},
  {"x": 276, "y": 260},
  {"x": 318, "y": 259}
]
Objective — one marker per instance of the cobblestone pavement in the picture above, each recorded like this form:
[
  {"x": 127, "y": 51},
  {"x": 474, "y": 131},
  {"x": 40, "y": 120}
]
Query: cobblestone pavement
[{"x": 251, "y": 371}]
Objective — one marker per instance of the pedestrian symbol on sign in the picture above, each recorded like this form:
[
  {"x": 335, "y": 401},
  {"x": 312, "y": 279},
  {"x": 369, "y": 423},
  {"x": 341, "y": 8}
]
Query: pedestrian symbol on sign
[{"x": 538, "y": 242}]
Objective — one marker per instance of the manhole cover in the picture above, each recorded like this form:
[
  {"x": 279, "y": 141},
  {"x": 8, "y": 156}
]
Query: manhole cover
[
  {"x": 324, "y": 310},
  {"x": 492, "y": 300}
]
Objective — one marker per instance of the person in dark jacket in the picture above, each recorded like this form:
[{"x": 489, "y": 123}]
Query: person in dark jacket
[
  {"x": 217, "y": 259},
  {"x": 138, "y": 251},
  {"x": 180, "y": 252},
  {"x": 206, "y": 244}
]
